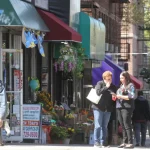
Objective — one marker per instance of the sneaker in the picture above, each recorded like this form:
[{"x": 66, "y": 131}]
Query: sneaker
[
  {"x": 129, "y": 146},
  {"x": 105, "y": 146},
  {"x": 122, "y": 145},
  {"x": 97, "y": 145}
]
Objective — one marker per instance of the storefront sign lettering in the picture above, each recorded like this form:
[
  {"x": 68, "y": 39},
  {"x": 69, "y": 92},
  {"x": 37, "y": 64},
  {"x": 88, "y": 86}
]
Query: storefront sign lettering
[{"x": 7, "y": 19}]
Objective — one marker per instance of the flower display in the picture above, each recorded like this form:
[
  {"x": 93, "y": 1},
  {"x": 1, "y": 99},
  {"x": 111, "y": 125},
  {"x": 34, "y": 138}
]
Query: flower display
[
  {"x": 44, "y": 99},
  {"x": 58, "y": 132},
  {"x": 69, "y": 116},
  {"x": 71, "y": 60},
  {"x": 71, "y": 131},
  {"x": 56, "y": 107},
  {"x": 84, "y": 112}
]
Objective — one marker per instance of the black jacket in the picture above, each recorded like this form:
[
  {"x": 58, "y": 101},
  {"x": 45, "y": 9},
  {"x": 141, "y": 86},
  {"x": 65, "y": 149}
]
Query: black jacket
[
  {"x": 141, "y": 111},
  {"x": 106, "y": 103}
]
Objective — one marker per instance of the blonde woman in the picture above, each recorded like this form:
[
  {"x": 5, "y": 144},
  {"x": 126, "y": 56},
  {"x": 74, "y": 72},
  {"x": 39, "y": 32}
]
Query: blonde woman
[{"x": 102, "y": 111}]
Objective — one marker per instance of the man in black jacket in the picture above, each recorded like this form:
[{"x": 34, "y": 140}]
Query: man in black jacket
[
  {"x": 102, "y": 111},
  {"x": 140, "y": 117}
]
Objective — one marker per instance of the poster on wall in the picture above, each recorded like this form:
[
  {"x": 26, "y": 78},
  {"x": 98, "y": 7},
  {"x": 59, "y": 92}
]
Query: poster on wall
[
  {"x": 31, "y": 121},
  {"x": 18, "y": 83},
  {"x": 44, "y": 79}
]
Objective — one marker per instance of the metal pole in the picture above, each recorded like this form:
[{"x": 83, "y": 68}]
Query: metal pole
[{"x": 1, "y": 56}]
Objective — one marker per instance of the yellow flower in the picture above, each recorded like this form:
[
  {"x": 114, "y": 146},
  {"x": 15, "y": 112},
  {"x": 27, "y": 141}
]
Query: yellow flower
[{"x": 72, "y": 130}]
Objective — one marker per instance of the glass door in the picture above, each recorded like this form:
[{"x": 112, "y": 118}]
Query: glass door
[{"x": 12, "y": 75}]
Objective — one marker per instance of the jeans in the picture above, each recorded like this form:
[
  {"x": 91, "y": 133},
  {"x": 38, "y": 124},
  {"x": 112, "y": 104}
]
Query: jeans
[
  {"x": 124, "y": 117},
  {"x": 140, "y": 127},
  {"x": 101, "y": 120}
]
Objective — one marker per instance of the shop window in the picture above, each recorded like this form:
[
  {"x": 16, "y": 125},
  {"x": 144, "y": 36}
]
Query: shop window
[{"x": 124, "y": 52}]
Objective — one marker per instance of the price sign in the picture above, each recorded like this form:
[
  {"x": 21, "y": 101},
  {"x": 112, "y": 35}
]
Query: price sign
[{"x": 31, "y": 121}]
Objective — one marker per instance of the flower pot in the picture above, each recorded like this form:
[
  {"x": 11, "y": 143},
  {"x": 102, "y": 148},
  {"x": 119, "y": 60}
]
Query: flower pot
[
  {"x": 57, "y": 141},
  {"x": 66, "y": 141},
  {"x": 60, "y": 113}
]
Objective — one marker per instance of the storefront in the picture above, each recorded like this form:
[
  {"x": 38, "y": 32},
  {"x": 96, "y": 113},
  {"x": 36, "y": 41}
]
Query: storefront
[
  {"x": 14, "y": 15},
  {"x": 61, "y": 89},
  {"x": 93, "y": 41}
]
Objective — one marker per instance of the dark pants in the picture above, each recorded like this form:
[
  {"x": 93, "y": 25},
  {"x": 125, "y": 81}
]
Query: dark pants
[
  {"x": 110, "y": 132},
  {"x": 140, "y": 127},
  {"x": 124, "y": 117}
]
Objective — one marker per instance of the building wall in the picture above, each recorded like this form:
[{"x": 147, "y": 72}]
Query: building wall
[{"x": 110, "y": 14}]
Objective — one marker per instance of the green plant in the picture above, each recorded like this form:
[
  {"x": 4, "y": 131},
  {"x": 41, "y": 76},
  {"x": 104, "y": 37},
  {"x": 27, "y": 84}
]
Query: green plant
[
  {"x": 58, "y": 132},
  {"x": 71, "y": 60},
  {"x": 69, "y": 116},
  {"x": 43, "y": 97},
  {"x": 71, "y": 132}
]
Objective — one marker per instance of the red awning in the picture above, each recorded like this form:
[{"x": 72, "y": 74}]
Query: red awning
[
  {"x": 59, "y": 31},
  {"x": 138, "y": 84}
]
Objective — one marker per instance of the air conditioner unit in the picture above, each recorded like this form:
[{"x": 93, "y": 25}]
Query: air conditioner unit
[
  {"x": 111, "y": 47},
  {"x": 106, "y": 47}
]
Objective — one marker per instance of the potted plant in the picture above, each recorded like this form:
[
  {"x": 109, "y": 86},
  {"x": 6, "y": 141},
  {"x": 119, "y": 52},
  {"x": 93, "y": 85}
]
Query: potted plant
[
  {"x": 59, "y": 109},
  {"x": 71, "y": 60},
  {"x": 43, "y": 98},
  {"x": 58, "y": 134},
  {"x": 70, "y": 119}
]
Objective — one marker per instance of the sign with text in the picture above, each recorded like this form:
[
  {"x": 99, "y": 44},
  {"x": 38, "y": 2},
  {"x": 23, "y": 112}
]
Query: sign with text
[{"x": 31, "y": 121}]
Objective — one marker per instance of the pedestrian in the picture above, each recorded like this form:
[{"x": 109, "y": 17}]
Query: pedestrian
[
  {"x": 2, "y": 109},
  {"x": 125, "y": 106},
  {"x": 102, "y": 111},
  {"x": 141, "y": 115},
  {"x": 6, "y": 124}
]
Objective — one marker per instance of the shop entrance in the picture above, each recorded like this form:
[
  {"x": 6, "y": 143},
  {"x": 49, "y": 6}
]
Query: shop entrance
[{"x": 11, "y": 69}]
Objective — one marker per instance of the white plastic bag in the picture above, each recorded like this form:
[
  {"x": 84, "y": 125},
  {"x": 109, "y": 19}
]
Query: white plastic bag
[{"x": 93, "y": 97}]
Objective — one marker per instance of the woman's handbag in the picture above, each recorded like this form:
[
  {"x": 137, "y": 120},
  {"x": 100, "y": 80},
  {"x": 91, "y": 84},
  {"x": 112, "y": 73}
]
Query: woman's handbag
[{"x": 93, "y": 97}]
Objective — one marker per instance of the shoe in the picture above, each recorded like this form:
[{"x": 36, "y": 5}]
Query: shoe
[
  {"x": 105, "y": 146},
  {"x": 97, "y": 145},
  {"x": 137, "y": 145},
  {"x": 129, "y": 146},
  {"x": 1, "y": 144},
  {"x": 122, "y": 145}
]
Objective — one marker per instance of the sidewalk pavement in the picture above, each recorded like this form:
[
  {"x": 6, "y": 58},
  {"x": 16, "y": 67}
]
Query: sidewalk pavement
[
  {"x": 25, "y": 146},
  {"x": 57, "y": 147}
]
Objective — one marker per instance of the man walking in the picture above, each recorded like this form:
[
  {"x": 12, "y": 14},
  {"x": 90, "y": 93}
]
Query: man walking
[
  {"x": 141, "y": 115},
  {"x": 102, "y": 111}
]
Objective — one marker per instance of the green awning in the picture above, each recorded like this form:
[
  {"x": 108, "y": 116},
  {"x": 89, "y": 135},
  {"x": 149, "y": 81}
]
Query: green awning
[
  {"x": 19, "y": 13},
  {"x": 93, "y": 36}
]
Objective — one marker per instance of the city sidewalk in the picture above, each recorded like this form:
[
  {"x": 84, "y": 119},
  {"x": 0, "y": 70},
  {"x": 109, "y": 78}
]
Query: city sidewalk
[
  {"x": 25, "y": 146},
  {"x": 56, "y": 147}
]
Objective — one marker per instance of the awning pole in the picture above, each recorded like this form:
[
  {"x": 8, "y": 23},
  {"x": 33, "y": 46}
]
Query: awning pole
[{"x": 1, "y": 56}]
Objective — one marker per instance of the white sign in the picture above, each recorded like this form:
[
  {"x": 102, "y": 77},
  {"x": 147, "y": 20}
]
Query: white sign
[
  {"x": 42, "y": 4},
  {"x": 31, "y": 121}
]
